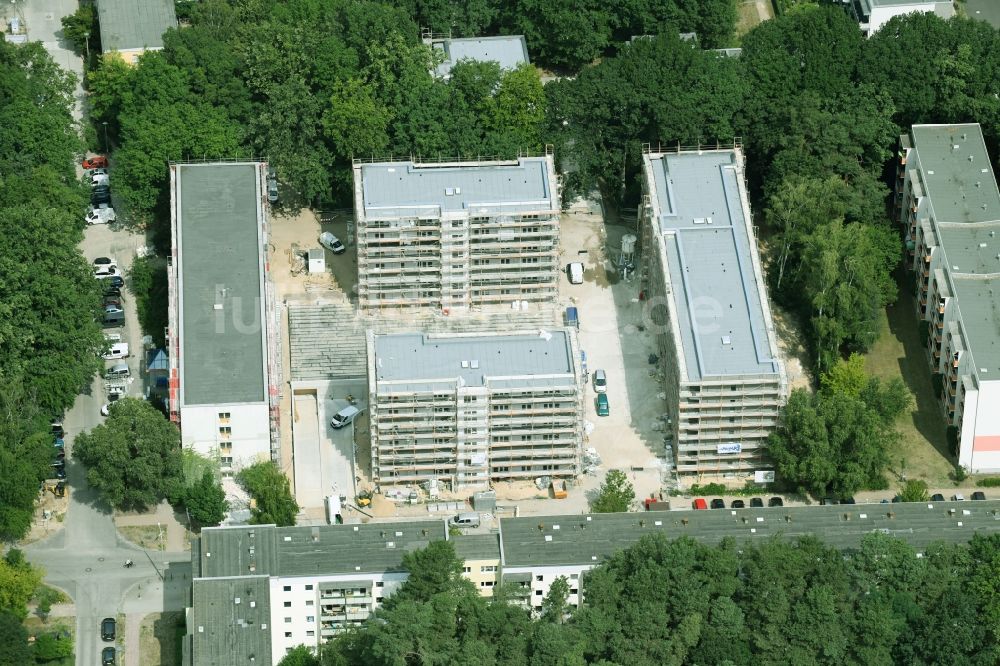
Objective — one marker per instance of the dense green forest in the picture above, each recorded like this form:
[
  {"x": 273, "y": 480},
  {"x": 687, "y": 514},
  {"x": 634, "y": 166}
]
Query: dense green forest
[
  {"x": 662, "y": 603},
  {"x": 48, "y": 298}
]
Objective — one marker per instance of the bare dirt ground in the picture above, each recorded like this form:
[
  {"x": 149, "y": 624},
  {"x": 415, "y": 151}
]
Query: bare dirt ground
[
  {"x": 753, "y": 12},
  {"x": 793, "y": 349}
]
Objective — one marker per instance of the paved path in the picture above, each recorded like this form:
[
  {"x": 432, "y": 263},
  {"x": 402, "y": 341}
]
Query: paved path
[{"x": 132, "y": 623}]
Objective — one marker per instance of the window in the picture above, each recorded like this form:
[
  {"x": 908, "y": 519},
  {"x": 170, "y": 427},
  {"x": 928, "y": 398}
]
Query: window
[
  {"x": 378, "y": 600},
  {"x": 288, "y": 634},
  {"x": 379, "y": 584},
  {"x": 288, "y": 604},
  {"x": 486, "y": 583},
  {"x": 310, "y": 602},
  {"x": 538, "y": 593},
  {"x": 287, "y": 588},
  {"x": 226, "y": 461},
  {"x": 539, "y": 578},
  {"x": 223, "y": 417},
  {"x": 466, "y": 569},
  {"x": 310, "y": 618},
  {"x": 288, "y": 620},
  {"x": 310, "y": 632},
  {"x": 487, "y": 569},
  {"x": 309, "y": 587}
]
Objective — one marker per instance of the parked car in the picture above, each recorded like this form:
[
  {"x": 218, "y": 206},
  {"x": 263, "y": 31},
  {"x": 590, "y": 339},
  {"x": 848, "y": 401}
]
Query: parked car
[
  {"x": 603, "y": 407},
  {"x": 117, "y": 350},
  {"x": 99, "y": 179},
  {"x": 56, "y": 428},
  {"x": 718, "y": 504},
  {"x": 827, "y": 501},
  {"x": 96, "y": 162},
  {"x": 331, "y": 242},
  {"x": 756, "y": 503},
  {"x": 101, "y": 214},
  {"x": 979, "y": 495},
  {"x": 116, "y": 281},
  {"x": 272, "y": 189},
  {"x": 958, "y": 497},
  {"x": 103, "y": 261},
  {"x": 112, "y": 292},
  {"x": 106, "y": 270},
  {"x": 848, "y": 500},
  {"x": 737, "y": 504},
  {"x": 108, "y": 629},
  {"x": 775, "y": 501},
  {"x": 100, "y": 195},
  {"x": 345, "y": 416},
  {"x": 937, "y": 497},
  {"x": 111, "y": 310},
  {"x": 108, "y": 656},
  {"x": 117, "y": 371},
  {"x": 699, "y": 504},
  {"x": 600, "y": 381}
]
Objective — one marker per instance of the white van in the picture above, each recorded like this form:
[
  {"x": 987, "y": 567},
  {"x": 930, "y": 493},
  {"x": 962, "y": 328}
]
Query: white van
[
  {"x": 575, "y": 272},
  {"x": 466, "y": 520},
  {"x": 344, "y": 416}
]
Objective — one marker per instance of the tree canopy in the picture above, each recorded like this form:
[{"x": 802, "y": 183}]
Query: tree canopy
[
  {"x": 134, "y": 458},
  {"x": 616, "y": 494},
  {"x": 271, "y": 492}
]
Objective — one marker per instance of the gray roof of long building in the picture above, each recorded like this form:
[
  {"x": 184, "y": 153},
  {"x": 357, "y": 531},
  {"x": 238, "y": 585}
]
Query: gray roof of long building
[
  {"x": 310, "y": 551},
  {"x": 407, "y": 189},
  {"x": 721, "y": 318},
  {"x": 508, "y": 51},
  {"x": 589, "y": 540},
  {"x": 420, "y": 362},
  {"x": 223, "y": 632},
  {"x": 220, "y": 263},
  {"x": 962, "y": 189},
  {"x": 134, "y": 24}
]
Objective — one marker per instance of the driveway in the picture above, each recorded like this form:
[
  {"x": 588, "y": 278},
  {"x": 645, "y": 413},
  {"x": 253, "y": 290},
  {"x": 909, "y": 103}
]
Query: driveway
[{"x": 984, "y": 10}]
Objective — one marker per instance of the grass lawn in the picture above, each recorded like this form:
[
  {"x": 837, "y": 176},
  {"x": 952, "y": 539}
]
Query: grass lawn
[
  {"x": 145, "y": 536},
  {"x": 160, "y": 637},
  {"x": 898, "y": 353}
]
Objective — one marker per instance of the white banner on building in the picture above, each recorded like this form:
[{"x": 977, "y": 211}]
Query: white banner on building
[
  {"x": 763, "y": 476},
  {"x": 732, "y": 447}
]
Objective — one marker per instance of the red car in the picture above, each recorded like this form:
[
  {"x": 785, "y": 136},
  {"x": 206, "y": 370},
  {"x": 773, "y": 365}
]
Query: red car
[
  {"x": 96, "y": 162},
  {"x": 700, "y": 504}
]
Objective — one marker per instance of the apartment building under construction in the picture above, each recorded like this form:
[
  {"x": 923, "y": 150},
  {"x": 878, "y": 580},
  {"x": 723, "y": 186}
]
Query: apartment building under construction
[
  {"x": 456, "y": 235},
  {"x": 469, "y": 409},
  {"x": 702, "y": 278},
  {"x": 948, "y": 203}
]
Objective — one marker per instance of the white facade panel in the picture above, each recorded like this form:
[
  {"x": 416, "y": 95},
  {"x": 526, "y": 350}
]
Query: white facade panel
[{"x": 246, "y": 441}]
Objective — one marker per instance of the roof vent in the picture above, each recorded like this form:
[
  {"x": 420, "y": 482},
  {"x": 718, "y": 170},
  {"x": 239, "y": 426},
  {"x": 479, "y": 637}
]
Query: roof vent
[
  {"x": 449, "y": 191},
  {"x": 970, "y": 158},
  {"x": 726, "y": 340},
  {"x": 548, "y": 537},
  {"x": 954, "y": 147},
  {"x": 474, "y": 364}
]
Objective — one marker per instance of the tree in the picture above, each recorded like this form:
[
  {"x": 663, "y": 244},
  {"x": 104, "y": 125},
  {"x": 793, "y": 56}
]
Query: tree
[
  {"x": 616, "y": 494},
  {"x": 914, "y": 490},
  {"x": 270, "y": 490},
  {"x": 206, "y": 501},
  {"x": 50, "y": 646},
  {"x": 433, "y": 570},
  {"x": 300, "y": 656},
  {"x": 18, "y": 581},
  {"x": 14, "y": 648},
  {"x": 148, "y": 278},
  {"x": 134, "y": 457},
  {"x": 554, "y": 605},
  {"x": 82, "y": 29}
]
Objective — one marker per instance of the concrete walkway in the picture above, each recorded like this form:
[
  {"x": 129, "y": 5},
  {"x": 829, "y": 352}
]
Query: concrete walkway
[
  {"x": 133, "y": 621},
  {"x": 164, "y": 517}
]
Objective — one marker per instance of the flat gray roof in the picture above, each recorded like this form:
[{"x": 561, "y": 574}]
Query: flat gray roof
[
  {"x": 221, "y": 269},
  {"x": 965, "y": 203},
  {"x": 718, "y": 298},
  {"x": 961, "y": 189},
  {"x": 407, "y": 189},
  {"x": 223, "y": 632},
  {"x": 477, "y": 546},
  {"x": 309, "y": 551},
  {"x": 421, "y": 361},
  {"x": 134, "y": 24},
  {"x": 508, "y": 51},
  {"x": 589, "y": 540}
]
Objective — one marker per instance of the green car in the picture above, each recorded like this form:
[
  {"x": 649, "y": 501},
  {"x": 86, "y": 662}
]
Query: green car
[{"x": 603, "y": 408}]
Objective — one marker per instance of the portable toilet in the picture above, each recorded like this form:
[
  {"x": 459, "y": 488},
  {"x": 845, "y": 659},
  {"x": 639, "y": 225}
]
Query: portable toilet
[{"x": 317, "y": 261}]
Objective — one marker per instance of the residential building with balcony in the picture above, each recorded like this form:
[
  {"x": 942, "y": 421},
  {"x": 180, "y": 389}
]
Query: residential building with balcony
[
  {"x": 707, "y": 302},
  {"x": 224, "y": 372},
  {"x": 947, "y": 201},
  {"x": 470, "y": 409},
  {"x": 456, "y": 235}
]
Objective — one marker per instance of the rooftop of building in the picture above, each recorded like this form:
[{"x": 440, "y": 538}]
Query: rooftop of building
[
  {"x": 229, "y": 621},
  {"x": 477, "y": 546},
  {"x": 220, "y": 264},
  {"x": 393, "y": 190},
  {"x": 957, "y": 173},
  {"x": 719, "y": 300},
  {"x": 309, "y": 551},
  {"x": 134, "y": 24},
  {"x": 965, "y": 202},
  {"x": 508, "y": 51},
  {"x": 902, "y": 3},
  {"x": 415, "y": 361}
]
